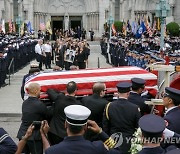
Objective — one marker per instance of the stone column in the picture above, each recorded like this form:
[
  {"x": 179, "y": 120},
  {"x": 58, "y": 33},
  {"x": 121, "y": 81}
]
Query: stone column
[{"x": 101, "y": 17}]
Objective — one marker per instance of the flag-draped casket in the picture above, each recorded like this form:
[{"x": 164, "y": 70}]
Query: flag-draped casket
[{"x": 86, "y": 78}]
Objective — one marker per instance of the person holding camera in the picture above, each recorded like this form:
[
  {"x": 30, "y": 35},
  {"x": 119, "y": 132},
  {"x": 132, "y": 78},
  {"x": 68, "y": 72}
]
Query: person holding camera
[
  {"x": 76, "y": 124},
  {"x": 32, "y": 110}
]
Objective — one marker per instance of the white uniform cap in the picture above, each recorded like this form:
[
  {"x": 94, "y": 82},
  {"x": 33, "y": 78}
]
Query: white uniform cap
[
  {"x": 34, "y": 65},
  {"x": 77, "y": 115}
]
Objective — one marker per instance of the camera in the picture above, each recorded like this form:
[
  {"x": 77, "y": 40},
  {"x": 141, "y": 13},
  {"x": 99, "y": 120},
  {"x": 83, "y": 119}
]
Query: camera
[{"x": 36, "y": 124}]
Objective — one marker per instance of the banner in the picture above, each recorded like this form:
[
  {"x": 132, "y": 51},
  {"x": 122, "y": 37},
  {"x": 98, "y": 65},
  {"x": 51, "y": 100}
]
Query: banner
[
  {"x": 42, "y": 26},
  {"x": 114, "y": 29},
  {"x": 141, "y": 30},
  {"x": 22, "y": 29},
  {"x": 29, "y": 27},
  {"x": 48, "y": 27},
  {"x": 3, "y": 26}
]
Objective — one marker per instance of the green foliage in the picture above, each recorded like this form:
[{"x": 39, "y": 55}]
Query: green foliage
[
  {"x": 118, "y": 25},
  {"x": 173, "y": 29}
]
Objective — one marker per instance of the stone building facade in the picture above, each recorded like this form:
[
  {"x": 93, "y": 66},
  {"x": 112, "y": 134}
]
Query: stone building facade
[
  {"x": 89, "y": 14},
  {"x": 131, "y": 9}
]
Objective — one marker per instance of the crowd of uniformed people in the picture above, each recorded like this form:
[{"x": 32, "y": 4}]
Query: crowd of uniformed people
[
  {"x": 17, "y": 51},
  {"x": 130, "y": 51},
  {"x": 72, "y": 126}
]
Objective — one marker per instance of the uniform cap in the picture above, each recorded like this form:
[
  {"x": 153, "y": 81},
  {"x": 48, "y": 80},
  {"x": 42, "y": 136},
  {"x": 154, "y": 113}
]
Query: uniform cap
[
  {"x": 138, "y": 82},
  {"x": 34, "y": 65},
  {"x": 124, "y": 87},
  {"x": 152, "y": 125},
  {"x": 77, "y": 115},
  {"x": 173, "y": 94}
]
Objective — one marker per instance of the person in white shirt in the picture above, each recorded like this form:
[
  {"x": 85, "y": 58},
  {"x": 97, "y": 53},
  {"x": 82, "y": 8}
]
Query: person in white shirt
[
  {"x": 39, "y": 53},
  {"x": 48, "y": 52}
]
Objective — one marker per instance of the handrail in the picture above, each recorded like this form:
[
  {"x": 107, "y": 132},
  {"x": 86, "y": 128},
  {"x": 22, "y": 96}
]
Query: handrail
[{"x": 9, "y": 69}]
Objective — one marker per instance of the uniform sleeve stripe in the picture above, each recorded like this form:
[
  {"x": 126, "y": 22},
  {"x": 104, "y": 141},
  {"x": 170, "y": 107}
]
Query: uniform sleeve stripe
[{"x": 3, "y": 137}]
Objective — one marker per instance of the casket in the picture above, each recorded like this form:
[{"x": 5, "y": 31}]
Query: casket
[{"x": 86, "y": 78}]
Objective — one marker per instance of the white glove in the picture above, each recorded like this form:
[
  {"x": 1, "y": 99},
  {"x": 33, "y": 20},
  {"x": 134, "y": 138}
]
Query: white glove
[{"x": 168, "y": 133}]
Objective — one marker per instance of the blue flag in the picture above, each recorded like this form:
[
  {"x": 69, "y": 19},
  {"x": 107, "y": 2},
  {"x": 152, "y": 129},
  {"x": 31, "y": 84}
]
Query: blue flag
[
  {"x": 29, "y": 27},
  {"x": 141, "y": 30}
]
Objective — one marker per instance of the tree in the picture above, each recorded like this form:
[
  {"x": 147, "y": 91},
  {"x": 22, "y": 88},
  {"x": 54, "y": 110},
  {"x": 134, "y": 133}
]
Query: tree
[
  {"x": 118, "y": 25},
  {"x": 173, "y": 29}
]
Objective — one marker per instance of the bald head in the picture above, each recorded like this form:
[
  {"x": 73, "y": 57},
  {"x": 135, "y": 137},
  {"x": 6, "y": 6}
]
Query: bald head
[
  {"x": 34, "y": 89},
  {"x": 98, "y": 88}
]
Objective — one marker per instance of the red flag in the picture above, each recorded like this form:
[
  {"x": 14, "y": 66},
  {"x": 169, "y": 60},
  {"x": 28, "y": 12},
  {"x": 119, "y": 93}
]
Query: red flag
[
  {"x": 167, "y": 59},
  {"x": 148, "y": 28},
  {"x": 86, "y": 78},
  {"x": 14, "y": 27},
  {"x": 113, "y": 29}
]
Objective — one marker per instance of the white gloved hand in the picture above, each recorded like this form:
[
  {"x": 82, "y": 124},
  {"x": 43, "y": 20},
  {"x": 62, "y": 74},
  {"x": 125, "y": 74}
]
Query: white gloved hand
[{"x": 168, "y": 133}]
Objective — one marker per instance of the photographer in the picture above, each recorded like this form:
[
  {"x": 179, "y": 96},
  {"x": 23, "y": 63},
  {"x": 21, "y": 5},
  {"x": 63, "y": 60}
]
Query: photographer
[{"x": 44, "y": 128}]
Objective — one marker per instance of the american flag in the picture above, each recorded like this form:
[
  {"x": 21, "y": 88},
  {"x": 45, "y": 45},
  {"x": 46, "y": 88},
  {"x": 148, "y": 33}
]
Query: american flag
[
  {"x": 42, "y": 26},
  {"x": 86, "y": 78},
  {"x": 148, "y": 28}
]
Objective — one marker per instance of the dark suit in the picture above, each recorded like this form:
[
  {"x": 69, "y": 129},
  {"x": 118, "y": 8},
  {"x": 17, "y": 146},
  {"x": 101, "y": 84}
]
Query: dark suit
[
  {"x": 7, "y": 145},
  {"x": 139, "y": 101},
  {"x": 96, "y": 104},
  {"x": 156, "y": 150},
  {"x": 78, "y": 145},
  {"x": 121, "y": 116},
  {"x": 32, "y": 110},
  {"x": 173, "y": 119},
  {"x": 57, "y": 127}
]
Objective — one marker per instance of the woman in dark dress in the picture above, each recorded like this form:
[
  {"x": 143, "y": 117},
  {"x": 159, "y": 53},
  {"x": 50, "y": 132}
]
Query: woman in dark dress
[{"x": 81, "y": 58}]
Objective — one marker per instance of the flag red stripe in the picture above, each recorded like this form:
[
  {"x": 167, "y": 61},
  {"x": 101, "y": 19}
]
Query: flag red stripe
[{"x": 85, "y": 75}]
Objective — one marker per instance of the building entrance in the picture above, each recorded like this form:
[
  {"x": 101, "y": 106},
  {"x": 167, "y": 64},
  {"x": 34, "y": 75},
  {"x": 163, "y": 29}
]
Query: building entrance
[{"x": 57, "y": 24}]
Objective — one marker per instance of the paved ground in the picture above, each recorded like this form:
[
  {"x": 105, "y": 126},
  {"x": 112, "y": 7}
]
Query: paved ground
[{"x": 10, "y": 100}]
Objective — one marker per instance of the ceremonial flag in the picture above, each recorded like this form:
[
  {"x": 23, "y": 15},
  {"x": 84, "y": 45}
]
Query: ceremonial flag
[
  {"x": 114, "y": 29},
  {"x": 86, "y": 78},
  {"x": 134, "y": 27},
  {"x": 3, "y": 26},
  {"x": 141, "y": 30},
  {"x": 22, "y": 29},
  {"x": 124, "y": 29},
  {"x": 14, "y": 27},
  {"x": 10, "y": 26},
  {"x": 158, "y": 24},
  {"x": 29, "y": 27},
  {"x": 42, "y": 26},
  {"x": 48, "y": 27},
  {"x": 154, "y": 25},
  {"x": 148, "y": 28}
]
